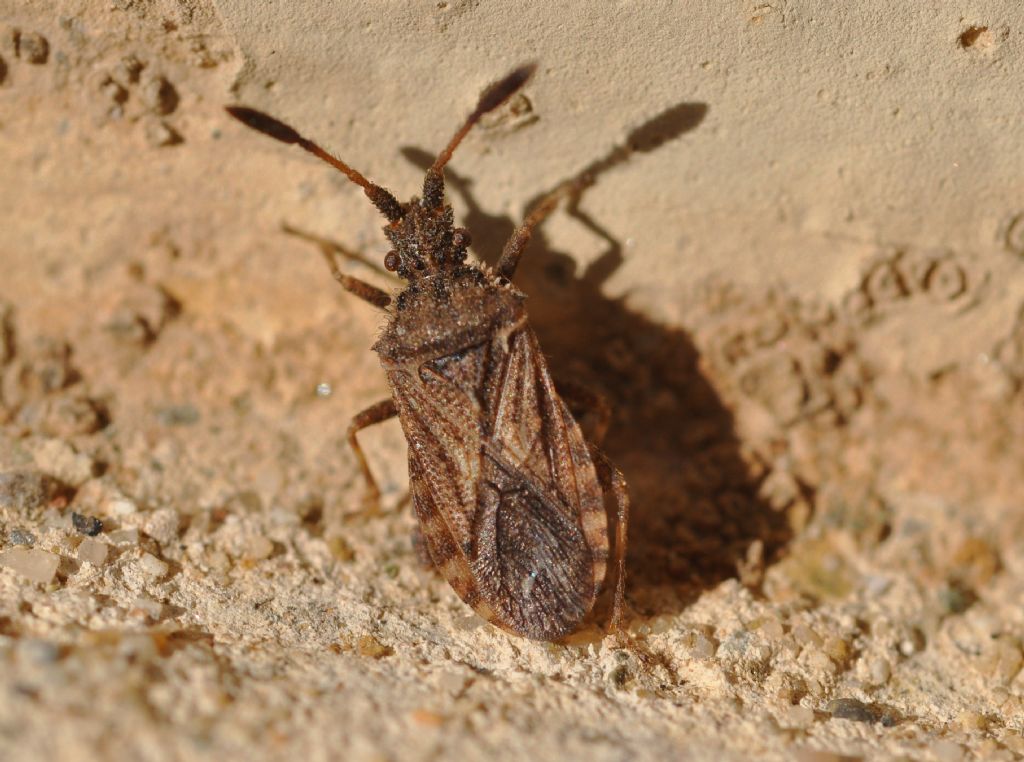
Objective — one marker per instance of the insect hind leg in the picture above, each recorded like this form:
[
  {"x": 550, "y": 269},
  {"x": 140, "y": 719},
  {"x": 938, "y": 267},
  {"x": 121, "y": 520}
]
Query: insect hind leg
[{"x": 612, "y": 480}]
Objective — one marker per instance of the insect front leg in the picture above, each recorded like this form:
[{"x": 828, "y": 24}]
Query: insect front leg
[
  {"x": 377, "y": 413},
  {"x": 375, "y": 296},
  {"x": 612, "y": 480}
]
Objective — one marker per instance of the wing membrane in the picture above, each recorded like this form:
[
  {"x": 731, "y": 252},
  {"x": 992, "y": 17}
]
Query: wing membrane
[{"x": 503, "y": 485}]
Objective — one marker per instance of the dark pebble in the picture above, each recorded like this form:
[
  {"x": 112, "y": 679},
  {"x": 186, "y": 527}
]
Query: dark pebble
[
  {"x": 87, "y": 525},
  {"x": 851, "y": 709},
  {"x": 21, "y": 537},
  {"x": 956, "y": 598}
]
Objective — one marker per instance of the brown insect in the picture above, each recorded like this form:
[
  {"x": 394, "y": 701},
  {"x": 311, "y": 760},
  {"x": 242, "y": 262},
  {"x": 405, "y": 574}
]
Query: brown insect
[{"x": 509, "y": 496}]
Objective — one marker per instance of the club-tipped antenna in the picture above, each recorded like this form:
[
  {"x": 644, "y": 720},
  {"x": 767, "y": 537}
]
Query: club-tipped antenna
[
  {"x": 257, "y": 120},
  {"x": 490, "y": 99}
]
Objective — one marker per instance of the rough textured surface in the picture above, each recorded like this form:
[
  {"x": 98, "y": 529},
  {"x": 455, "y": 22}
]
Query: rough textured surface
[{"x": 802, "y": 291}]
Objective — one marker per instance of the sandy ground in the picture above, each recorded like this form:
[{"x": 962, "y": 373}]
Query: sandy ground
[{"x": 827, "y": 555}]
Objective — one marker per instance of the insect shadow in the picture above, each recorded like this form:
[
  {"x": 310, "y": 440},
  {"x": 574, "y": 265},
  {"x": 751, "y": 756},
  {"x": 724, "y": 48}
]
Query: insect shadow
[{"x": 696, "y": 509}]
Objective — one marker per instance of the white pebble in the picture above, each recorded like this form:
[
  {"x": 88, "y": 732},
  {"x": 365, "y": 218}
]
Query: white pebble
[
  {"x": 124, "y": 537},
  {"x": 879, "y": 670},
  {"x": 94, "y": 551},
  {"x": 122, "y": 506},
  {"x": 153, "y": 609},
  {"x": 37, "y": 565},
  {"x": 162, "y": 526},
  {"x": 153, "y": 566},
  {"x": 258, "y": 548},
  {"x": 703, "y": 647}
]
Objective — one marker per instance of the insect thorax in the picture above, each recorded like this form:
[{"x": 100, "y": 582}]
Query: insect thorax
[{"x": 447, "y": 313}]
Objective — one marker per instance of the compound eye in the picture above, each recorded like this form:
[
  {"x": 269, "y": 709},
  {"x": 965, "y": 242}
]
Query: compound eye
[
  {"x": 392, "y": 261},
  {"x": 461, "y": 238}
]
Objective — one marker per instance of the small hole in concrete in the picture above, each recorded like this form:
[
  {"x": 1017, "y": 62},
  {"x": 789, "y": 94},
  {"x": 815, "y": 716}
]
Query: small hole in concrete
[{"x": 974, "y": 35}]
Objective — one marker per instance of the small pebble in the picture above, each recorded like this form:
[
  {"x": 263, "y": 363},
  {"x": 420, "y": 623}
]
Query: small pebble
[
  {"x": 772, "y": 628},
  {"x": 371, "y": 647},
  {"x": 806, "y": 636},
  {"x": 851, "y": 709},
  {"x": 1003, "y": 659},
  {"x": 879, "y": 670},
  {"x": 970, "y": 720},
  {"x": 93, "y": 551},
  {"x": 162, "y": 526},
  {"x": 912, "y": 643},
  {"x": 37, "y": 565},
  {"x": 22, "y": 537},
  {"x": 818, "y": 661},
  {"x": 701, "y": 646},
  {"x": 838, "y": 650},
  {"x": 121, "y": 507},
  {"x": 258, "y": 548},
  {"x": 138, "y": 646},
  {"x": 153, "y": 609},
  {"x": 218, "y": 560},
  {"x": 124, "y": 536},
  {"x": 956, "y": 599},
  {"x": 87, "y": 525},
  {"x": 153, "y": 566}
]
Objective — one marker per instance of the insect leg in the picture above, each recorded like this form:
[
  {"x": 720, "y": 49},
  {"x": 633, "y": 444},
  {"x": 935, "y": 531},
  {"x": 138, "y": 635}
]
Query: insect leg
[
  {"x": 516, "y": 245},
  {"x": 611, "y": 479},
  {"x": 334, "y": 249},
  {"x": 587, "y": 400},
  {"x": 375, "y": 296},
  {"x": 374, "y": 414}
]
